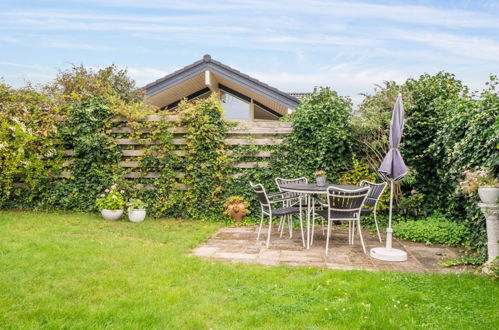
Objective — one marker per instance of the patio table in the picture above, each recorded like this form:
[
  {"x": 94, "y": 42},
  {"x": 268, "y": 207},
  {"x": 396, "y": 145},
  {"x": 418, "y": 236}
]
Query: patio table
[{"x": 308, "y": 190}]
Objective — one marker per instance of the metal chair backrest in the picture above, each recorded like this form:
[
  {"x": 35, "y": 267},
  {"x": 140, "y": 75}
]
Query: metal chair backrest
[
  {"x": 259, "y": 190},
  {"x": 345, "y": 201},
  {"x": 280, "y": 181},
  {"x": 375, "y": 193}
]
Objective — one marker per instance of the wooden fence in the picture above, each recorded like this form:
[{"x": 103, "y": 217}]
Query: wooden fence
[{"x": 248, "y": 133}]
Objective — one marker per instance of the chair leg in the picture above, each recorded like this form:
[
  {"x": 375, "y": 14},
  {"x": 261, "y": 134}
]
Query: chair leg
[
  {"x": 349, "y": 233},
  {"x": 353, "y": 232},
  {"x": 290, "y": 225},
  {"x": 313, "y": 230},
  {"x": 282, "y": 223},
  {"x": 327, "y": 236},
  {"x": 260, "y": 228},
  {"x": 360, "y": 235},
  {"x": 377, "y": 228},
  {"x": 301, "y": 229},
  {"x": 270, "y": 231}
]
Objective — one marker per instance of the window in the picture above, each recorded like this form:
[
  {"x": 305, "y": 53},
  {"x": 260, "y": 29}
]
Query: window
[{"x": 234, "y": 107}]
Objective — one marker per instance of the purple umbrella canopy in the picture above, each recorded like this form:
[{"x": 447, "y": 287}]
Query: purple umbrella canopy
[{"x": 393, "y": 166}]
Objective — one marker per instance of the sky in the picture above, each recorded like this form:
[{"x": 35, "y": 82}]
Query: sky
[{"x": 350, "y": 46}]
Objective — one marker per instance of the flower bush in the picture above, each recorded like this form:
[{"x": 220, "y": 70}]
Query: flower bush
[
  {"x": 320, "y": 173},
  {"x": 478, "y": 178},
  {"x": 111, "y": 199}
]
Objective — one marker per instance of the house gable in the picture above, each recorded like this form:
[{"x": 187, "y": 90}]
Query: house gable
[{"x": 208, "y": 73}]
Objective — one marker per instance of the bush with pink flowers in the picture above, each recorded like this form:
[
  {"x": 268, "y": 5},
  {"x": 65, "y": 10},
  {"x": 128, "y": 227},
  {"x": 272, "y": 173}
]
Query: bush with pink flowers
[
  {"x": 477, "y": 178},
  {"x": 111, "y": 199}
]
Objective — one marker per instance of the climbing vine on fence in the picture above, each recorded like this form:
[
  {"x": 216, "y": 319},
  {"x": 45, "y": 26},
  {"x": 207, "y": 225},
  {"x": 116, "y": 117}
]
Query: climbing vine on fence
[
  {"x": 206, "y": 161},
  {"x": 161, "y": 193},
  {"x": 27, "y": 150},
  {"x": 95, "y": 164}
]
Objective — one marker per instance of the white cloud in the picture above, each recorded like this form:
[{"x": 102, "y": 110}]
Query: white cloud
[
  {"x": 71, "y": 45},
  {"x": 145, "y": 75},
  {"x": 415, "y": 14},
  {"x": 9, "y": 39},
  {"x": 472, "y": 47}
]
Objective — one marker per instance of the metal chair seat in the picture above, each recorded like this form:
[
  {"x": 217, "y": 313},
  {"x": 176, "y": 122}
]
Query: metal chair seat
[
  {"x": 337, "y": 215},
  {"x": 286, "y": 211}
]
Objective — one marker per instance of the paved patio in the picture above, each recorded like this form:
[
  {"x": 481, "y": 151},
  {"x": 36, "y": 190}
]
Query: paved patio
[{"x": 239, "y": 244}]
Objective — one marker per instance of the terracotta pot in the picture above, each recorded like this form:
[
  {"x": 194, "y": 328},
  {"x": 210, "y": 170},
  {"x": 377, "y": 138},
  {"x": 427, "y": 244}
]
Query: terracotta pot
[{"x": 237, "y": 212}]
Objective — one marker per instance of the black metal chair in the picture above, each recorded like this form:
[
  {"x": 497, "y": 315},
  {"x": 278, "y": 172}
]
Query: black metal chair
[
  {"x": 344, "y": 205},
  {"x": 372, "y": 200},
  {"x": 293, "y": 200},
  {"x": 267, "y": 209}
]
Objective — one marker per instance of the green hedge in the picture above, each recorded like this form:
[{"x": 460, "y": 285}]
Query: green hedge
[{"x": 434, "y": 229}]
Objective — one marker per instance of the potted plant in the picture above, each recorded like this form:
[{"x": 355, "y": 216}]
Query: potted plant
[
  {"x": 111, "y": 203},
  {"x": 320, "y": 177},
  {"x": 136, "y": 210},
  {"x": 236, "y": 208},
  {"x": 483, "y": 181}
]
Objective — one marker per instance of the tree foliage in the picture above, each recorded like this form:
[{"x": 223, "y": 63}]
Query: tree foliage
[{"x": 321, "y": 136}]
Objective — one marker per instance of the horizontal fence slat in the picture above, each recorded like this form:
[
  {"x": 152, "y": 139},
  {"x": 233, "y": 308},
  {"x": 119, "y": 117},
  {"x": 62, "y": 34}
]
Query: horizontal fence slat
[
  {"x": 255, "y": 142},
  {"x": 143, "y": 152},
  {"x": 230, "y": 141},
  {"x": 134, "y": 164},
  {"x": 250, "y": 164},
  {"x": 235, "y": 131},
  {"x": 136, "y": 175}
]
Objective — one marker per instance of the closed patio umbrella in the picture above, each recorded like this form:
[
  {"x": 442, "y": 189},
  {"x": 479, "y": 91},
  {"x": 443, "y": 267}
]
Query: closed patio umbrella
[{"x": 393, "y": 169}]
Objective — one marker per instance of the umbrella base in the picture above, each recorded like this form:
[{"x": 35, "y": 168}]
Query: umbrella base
[{"x": 386, "y": 254}]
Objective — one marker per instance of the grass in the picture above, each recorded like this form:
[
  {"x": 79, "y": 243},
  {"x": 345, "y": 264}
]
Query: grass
[{"x": 78, "y": 271}]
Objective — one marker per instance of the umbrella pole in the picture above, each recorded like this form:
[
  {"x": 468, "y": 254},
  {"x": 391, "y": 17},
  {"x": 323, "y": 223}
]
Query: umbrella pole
[
  {"x": 388, "y": 253},
  {"x": 389, "y": 230}
]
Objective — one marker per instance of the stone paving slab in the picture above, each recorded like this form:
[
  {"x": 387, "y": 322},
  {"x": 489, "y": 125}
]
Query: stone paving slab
[{"x": 239, "y": 244}]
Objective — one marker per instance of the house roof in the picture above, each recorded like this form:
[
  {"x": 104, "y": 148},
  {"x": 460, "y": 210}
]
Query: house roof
[
  {"x": 225, "y": 72},
  {"x": 299, "y": 95}
]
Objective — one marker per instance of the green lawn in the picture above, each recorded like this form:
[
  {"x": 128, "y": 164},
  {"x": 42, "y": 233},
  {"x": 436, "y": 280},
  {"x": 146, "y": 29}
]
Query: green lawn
[{"x": 78, "y": 271}]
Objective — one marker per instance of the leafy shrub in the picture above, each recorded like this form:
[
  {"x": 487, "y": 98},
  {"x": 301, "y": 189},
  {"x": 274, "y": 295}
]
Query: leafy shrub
[
  {"x": 135, "y": 204},
  {"x": 361, "y": 171},
  {"x": 27, "y": 150},
  {"x": 494, "y": 268},
  {"x": 111, "y": 199},
  {"x": 206, "y": 162},
  {"x": 413, "y": 202},
  {"x": 434, "y": 229},
  {"x": 321, "y": 137}
]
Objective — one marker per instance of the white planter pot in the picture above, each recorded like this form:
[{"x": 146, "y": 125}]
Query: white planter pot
[
  {"x": 137, "y": 215},
  {"x": 111, "y": 215},
  {"x": 321, "y": 181},
  {"x": 489, "y": 195}
]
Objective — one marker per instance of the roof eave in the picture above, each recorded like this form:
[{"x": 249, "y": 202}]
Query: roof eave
[{"x": 225, "y": 71}]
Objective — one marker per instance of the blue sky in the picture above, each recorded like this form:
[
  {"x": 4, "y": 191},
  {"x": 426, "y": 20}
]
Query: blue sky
[{"x": 292, "y": 45}]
